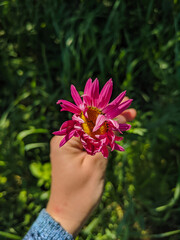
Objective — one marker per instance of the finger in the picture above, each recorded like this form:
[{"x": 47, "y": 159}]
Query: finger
[
  {"x": 125, "y": 99},
  {"x": 121, "y": 119},
  {"x": 74, "y": 142},
  {"x": 55, "y": 141},
  {"x": 129, "y": 114},
  {"x": 96, "y": 163}
]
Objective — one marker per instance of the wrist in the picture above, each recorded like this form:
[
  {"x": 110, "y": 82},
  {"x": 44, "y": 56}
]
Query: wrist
[{"x": 69, "y": 223}]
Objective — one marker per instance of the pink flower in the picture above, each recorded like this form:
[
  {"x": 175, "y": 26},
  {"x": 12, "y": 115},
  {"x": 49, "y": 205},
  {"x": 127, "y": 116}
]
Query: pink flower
[{"x": 93, "y": 118}]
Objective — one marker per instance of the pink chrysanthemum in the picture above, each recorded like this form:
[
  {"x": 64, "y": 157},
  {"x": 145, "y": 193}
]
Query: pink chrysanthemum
[{"x": 93, "y": 118}]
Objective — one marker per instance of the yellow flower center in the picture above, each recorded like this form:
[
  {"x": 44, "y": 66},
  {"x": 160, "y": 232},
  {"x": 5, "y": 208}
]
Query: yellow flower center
[{"x": 90, "y": 122}]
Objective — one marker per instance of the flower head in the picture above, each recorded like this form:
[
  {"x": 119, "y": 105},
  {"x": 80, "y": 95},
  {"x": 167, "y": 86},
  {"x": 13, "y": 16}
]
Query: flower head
[{"x": 93, "y": 118}]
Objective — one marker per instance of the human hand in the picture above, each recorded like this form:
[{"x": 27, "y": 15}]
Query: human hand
[{"x": 77, "y": 180}]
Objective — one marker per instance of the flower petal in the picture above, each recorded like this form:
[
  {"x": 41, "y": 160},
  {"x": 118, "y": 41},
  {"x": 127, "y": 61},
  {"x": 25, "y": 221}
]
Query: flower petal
[
  {"x": 75, "y": 95},
  {"x": 87, "y": 99},
  {"x": 118, "y": 99},
  {"x": 117, "y": 138},
  {"x": 113, "y": 110},
  {"x": 67, "y": 124},
  {"x": 60, "y": 132},
  {"x": 95, "y": 92},
  {"x": 105, "y": 151},
  {"x": 114, "y": 123},
  {"x": 124, "y": 127},
  {"x": 111, "y": 137},
  {"x": 99, "y": 121},
  {"x": 125, "y": 105},
  {"x": 77, "y": 119},
  {"x": 105, "y": 94},
  {"x": 68, "y": 106},
  {"x": 95, "y": 89},
  {"x": 109, "y": 108},
  {"x": 118, "y": 147},
  {"x": 67, "y": 138},
  {"x": 87, "y": 89}
]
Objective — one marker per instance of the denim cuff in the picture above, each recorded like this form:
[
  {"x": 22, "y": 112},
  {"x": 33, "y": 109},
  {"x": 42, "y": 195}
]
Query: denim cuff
[{"x": 45, "y": 227}]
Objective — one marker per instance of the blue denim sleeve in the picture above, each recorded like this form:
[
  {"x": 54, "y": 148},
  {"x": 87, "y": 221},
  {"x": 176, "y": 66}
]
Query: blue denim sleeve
[{"x": 45, "y": 227}]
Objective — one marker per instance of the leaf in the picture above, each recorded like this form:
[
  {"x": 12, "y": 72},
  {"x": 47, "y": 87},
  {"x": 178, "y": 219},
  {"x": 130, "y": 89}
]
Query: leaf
[
  {"x": 138, "y": 131},
  {"x": 9, "y": 235},
  {"x": 35, "y": 169},
  {"x": 31, "y": 146},
  {"x": 25, "y": 133}
]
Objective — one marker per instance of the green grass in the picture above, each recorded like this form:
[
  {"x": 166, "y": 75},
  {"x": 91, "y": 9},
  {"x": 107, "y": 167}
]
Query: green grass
[{"x": 45, "y": 46}]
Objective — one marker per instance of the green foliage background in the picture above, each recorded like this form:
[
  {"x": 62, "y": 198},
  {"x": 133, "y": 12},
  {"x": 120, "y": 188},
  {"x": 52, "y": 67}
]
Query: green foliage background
[{"x": 47, "y": 45}]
